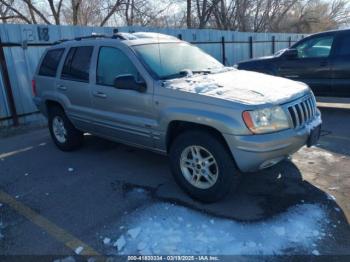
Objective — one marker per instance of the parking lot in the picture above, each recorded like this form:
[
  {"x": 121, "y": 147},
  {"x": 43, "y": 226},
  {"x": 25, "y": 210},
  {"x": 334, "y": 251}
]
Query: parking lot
[{"x": 107, "y": 198}]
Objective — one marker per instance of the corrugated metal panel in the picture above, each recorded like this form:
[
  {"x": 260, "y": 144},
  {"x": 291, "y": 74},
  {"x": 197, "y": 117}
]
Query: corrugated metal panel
[
  {"x": 22, "y": 62},
  {"x": 235, "y": 52},
  {"x": 4, "y": 110}
]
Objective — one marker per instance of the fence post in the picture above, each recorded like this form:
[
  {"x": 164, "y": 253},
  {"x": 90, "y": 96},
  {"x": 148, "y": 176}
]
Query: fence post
[
  {"x": 273, "y": 44},
  {"x": 223, "y": 50},
  {"x": 7, "y": 86},
  {"x": 179, "y": 36},
  {"x": 290, "y": 41},
  {"x": 251, "y": 47}
]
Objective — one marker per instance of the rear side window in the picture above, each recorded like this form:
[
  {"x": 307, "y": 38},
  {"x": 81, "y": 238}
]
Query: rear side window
[
  {"x": 50, "y": 62},
  {"x": 77, "y": 64},
  {"x": 343, "y": 47}
]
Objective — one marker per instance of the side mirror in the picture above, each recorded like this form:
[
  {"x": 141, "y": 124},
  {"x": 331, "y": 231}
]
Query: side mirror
[
  {"x": 128, "y": 82},
  {"x": 291, "y": 53}
]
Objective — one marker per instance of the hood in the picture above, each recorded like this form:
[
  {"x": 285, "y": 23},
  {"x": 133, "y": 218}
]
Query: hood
[
  {"x": 241, "y": 86},
  {"x": 258, "y": 59}
]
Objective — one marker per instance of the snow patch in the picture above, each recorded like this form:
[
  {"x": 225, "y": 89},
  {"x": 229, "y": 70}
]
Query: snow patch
[
  {"x": 331, "y": 197},
  {"x": 315, "y": 252},
  {"x": 120, "y": 243},
  {"x": 133, "y": 233},
  {"x": 240, "y": 86},
  {"x": 106, "y": 241},
  {"x": 66, "y": 259},
  {"x": 299, "y": 228},
  {"x": 78, "y": 250}
]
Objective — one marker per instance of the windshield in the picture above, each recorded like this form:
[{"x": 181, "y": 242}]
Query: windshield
[{"x": 171, "y": 60}]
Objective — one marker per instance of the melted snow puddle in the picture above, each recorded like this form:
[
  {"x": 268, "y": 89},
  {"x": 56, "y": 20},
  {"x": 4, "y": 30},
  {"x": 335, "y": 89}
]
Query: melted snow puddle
[{"x": 168, "y": 229}]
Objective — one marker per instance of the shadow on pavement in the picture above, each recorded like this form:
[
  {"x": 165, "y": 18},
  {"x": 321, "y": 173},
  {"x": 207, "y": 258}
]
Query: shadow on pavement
[
  {"x": 259, "y": 196},
  {"x": 335, "y": 125}
]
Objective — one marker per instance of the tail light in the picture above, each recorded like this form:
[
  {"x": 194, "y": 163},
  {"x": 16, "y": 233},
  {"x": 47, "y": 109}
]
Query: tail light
[{"x": 34, "y": 87}]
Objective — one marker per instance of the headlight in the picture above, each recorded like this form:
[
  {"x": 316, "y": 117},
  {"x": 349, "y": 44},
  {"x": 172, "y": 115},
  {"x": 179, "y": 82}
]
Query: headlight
[{"x": 266, "y": 120}]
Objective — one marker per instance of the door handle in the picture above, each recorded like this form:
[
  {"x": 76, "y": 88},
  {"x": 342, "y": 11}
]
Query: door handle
[
  {"x": 61, "y": 87},
  {"x": 100, "y": 94}
]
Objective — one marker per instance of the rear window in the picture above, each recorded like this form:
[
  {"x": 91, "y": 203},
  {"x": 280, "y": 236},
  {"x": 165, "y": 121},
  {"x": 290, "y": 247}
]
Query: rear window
[
  {"x": 77, "y": 64},
  {"x": 50, "y": 62}
]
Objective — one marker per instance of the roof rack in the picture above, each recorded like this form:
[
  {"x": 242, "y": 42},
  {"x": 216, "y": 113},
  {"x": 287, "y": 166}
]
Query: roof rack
[
  {"x": 119, "y": 35},
  {"x": 92, "y": 36}
]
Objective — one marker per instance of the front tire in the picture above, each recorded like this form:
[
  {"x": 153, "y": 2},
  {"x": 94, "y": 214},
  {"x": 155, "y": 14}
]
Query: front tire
[
  {"x": 65, "y": 136},
  {"x": 203, "y": 166}
]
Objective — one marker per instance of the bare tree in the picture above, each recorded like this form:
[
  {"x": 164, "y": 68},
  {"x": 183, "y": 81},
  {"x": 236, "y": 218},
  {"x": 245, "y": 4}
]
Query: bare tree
[
  {"x": 244, "y": 15},
  {"x": 56, "y": 10},
  {"x": 189, "y": 13}
]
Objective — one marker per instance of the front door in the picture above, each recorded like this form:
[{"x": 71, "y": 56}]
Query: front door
[
  {"x": 312, "y": 66},
  {"x": 122, "y": 115},
  {"x": 341, "y": 66}
]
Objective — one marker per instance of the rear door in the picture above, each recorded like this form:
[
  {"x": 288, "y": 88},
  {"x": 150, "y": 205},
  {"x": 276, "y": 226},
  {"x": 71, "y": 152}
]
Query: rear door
[
  {"x": 123, "y": 115},
  {"x": 313, "y": 64},
  {"x": 73, "y": 86},
  {"x": 341, "y": 65}
]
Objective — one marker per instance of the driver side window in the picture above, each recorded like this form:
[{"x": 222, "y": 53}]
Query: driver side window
[
  {"x": 112, "y": 62},
  {"x": 316, "y": 47}
]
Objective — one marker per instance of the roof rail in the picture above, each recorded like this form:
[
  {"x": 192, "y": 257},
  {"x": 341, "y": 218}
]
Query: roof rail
[
  {"x": 60, "y": 41},
  {"x": 92, "y": 36},
  {"x": 79, "y": 38},
  {"x": 124, "y": 36},
  {"x": 119, "y": 35}
]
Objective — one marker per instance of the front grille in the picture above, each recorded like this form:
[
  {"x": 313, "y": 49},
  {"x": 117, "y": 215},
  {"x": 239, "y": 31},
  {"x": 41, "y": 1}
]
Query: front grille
[{"x": 303, "y": 111}]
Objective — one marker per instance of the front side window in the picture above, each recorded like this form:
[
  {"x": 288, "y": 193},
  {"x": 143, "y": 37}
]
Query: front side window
[
  {"x": 112, "y": 62},
  {"x": 169, "y": 60},
  {"x": 77, "y": 64},
  {"x": 50, "y": 62},
  {"x": 315, "y": 47}
]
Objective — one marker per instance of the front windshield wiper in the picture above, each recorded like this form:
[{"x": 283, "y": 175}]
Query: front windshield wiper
[
  {"x": 172, "y": 76},
  {"x": 205, "y": 71}
]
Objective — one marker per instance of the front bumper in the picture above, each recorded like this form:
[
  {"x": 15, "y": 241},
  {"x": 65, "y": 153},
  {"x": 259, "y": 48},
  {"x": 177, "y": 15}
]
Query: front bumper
[{"x": 255, "y": 152}]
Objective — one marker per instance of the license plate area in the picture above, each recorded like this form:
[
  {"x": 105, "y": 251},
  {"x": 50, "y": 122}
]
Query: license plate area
[{"x": 314, "y": 136}]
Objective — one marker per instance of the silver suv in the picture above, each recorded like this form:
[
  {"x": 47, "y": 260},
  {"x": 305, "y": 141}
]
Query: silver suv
[{"x": 156, "y": 92}]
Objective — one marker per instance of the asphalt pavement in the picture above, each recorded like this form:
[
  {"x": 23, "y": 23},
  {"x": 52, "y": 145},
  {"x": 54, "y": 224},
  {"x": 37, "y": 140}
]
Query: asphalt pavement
[{"x": 53, "y": 202}]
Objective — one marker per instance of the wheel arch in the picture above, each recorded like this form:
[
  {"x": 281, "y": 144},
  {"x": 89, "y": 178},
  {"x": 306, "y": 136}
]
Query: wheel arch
[
  {"x": 50, "y": 103},
  {"x": 177, "y": 127}
]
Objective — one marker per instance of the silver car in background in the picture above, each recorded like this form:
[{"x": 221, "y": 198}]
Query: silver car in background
[{"x": 163, "y": 94}]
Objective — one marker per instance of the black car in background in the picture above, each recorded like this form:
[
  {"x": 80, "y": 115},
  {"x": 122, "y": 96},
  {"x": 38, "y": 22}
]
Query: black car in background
[{"x": 321, "y": 60}]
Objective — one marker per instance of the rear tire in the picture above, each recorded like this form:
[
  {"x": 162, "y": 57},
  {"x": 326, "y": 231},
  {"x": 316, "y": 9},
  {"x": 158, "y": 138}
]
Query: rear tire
[
  {"x": 65, "y": 136},
  {"x": 203, "y": 166}
]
